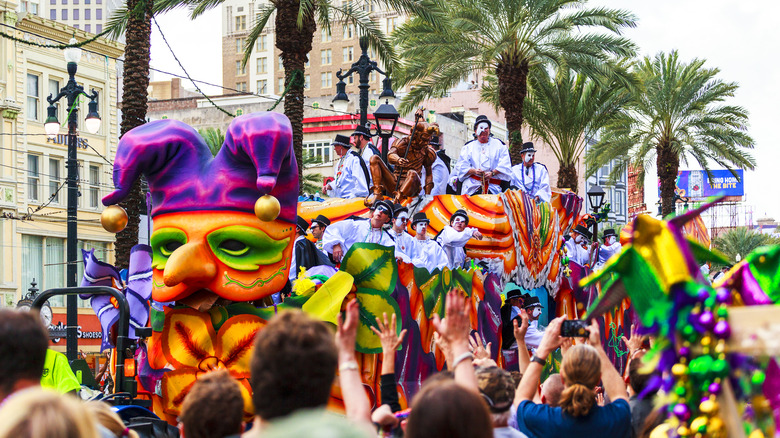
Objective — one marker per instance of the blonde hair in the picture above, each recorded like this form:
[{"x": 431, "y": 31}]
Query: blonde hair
[
  {"x": 37, "y": 412},
  {"x": 581, "y": 370},
  {"x": 110, "y": 419}
]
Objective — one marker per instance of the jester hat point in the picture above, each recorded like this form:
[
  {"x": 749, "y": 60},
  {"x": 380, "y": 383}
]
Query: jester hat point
[{"x": 256, "y": 159}]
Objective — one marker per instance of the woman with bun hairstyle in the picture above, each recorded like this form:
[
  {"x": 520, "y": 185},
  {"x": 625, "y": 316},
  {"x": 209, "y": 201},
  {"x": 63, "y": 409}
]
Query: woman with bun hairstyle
[{"x": 582, "y": 368}]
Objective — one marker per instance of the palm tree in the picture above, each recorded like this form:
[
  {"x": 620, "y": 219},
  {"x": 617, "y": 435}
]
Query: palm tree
[
  {"x": 567, "y": 111},
  {"x": 741, "y": 241},
  {"x": 214, "y": 139},
  {"x": 510, "y": 39},
  {"x": 678, "y": 114}
]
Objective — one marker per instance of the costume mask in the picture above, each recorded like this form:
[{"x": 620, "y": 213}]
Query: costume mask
[
  {"x": 481, "y": 127},
  {"x": 458, "y": 220},
  {"x": 207, "y": 238},
  {"x": 610, "y": 240},
  {"x": 536, "y": 312},
  {"x": 529, "y": 156},
  {"x": 420, "y": 227},
  {"x": 578, "y": 238},
  {"x": 401, "y": 220}
]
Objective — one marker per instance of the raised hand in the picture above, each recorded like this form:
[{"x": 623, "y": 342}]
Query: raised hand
[
  {"x": 635, "y": 342},
  {"x": 521, "y": 329},
  {"x": 479, "y": 350},
  {"x": 387, "y": 336},
  {"x": 346, "y": 331},
  {"x": 454, "y": 328}
]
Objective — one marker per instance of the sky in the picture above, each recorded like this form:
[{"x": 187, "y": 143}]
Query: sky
[{"x": 739, "y": 38}]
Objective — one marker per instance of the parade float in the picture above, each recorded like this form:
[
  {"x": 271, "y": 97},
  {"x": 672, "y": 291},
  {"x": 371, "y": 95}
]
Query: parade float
[{"x": 224, "y": 228}]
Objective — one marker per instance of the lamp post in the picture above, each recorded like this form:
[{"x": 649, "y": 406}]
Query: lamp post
[
  {"x": 363, "y": 67},
  {"x": 388, "y": 114},
  {"x": 596, "y": 198},
  {"x": 71, "y": 92}
]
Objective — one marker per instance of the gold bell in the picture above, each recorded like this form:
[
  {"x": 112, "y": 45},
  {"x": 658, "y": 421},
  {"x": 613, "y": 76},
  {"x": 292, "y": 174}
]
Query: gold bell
[
  {"x": 709, "y": 407},
  {"x": 756, "y": 434},
  {"x": 699, "y": 424},
  {"x": 661, "y": 431},
  {"x": 267, "y": 208},
  {"x": 679, "y": 370},
  {"x": 113, "y": 219}
]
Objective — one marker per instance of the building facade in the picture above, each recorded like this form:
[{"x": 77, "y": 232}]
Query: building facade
[
  {"x": 33, "y": 171},
  {"x": 616, "y": 194}
]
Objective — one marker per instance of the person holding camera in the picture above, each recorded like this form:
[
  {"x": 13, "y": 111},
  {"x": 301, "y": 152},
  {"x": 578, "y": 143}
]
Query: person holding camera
[{"x": 582, "y": 367}]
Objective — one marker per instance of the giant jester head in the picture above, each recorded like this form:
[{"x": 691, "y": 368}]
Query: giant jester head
[{"x": 207, "y": 241}]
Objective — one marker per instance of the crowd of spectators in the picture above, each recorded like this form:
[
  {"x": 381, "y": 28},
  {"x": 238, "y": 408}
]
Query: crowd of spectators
[{"x": 297, "y": 359}]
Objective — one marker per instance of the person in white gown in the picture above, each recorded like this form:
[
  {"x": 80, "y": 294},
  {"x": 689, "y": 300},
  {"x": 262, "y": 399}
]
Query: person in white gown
[
  {"x": 453, "y": 238},
  {"x": 610, "y": 247},
  {"x": 530, "y": 176},
  {"x": 533, "y": 308},
  {"x": 339, "y": 237},
  {"x": 484, "y": 160},
  {"x": 405, "y": 246},
  {"x": 428, "y": 254},
  {"x": 440, "y": 172},
  {"x": 578, "y": 247},
  {"x": 352, "y": 177}
]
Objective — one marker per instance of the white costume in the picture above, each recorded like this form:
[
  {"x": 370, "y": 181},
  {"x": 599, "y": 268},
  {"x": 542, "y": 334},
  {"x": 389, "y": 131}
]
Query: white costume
[
  {"x": 440, "y": 177},
  {"x": 452, "y": 242},
  {"x": 350, "y": 181},
  {"x": 405, "y": 245},
  {"x": 294, "y": 263},
  {"x": 534, "y": 180},
  {"x": 577, "y": 253},
  {"x": 533, "y": 337},
  {"x": 491, "y": 156},
  {"x": 349, "y": 231},
  {"x": 366, "y": 155},
  {"x": 606, "y": 252},
  {"x": 429, "y": 255}
]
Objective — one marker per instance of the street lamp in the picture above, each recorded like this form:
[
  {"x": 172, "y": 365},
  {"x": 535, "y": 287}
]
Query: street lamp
[
  {"x": 596, "y": 198},
  {"x": 72, "y": 91},
  {"x": 389, "y": 115}
]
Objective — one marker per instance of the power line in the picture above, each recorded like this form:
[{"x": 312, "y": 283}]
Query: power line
[{"x": 78, "y": 181}]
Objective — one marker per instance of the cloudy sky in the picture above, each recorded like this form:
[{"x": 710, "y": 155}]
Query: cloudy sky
[{"x": 739, "y": 38}]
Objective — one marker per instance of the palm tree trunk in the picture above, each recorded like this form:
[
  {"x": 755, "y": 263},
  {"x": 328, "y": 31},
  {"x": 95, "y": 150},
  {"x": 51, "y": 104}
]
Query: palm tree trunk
[
  {"x": 667, "y": 163},
  {"x": 567, "y": 177},
  {"x": 134, "y": 100},
  {"x": 295, "y": 43},
  {"x": 512, "y": 89}
]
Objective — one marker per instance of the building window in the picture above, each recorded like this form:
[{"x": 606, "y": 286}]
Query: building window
[
  {"x": 75, "y": 13},
  {"x": 392, "y": 23},
  {"x": 240, "y": 23},
  {"x": 351, "y": 79},
  {"x": 99, "y": 27},
  {"x": 262, "y": 43},
  {"x": 319, "y": 152},
  {"x": 76, "y": 26},
  {"x": 326, "y": 36},
  {"x": 99, "y": 14},
  {"x": 52, "y": 14},
  {"x": 86, "y": 2},
  {"x": 88, "y": 28},
  {"x": 54, "y": 180},
  {"x": 43, "y": 260},
  {"x": 64, "y": 14},
  {"x": 240, "y": 68},
  {"x": 281, "y": 63},
  {"x": 262, "y": 65},
  {"x": 33, "y": 177},
  {"x": 54, "y": 88},
  {"x": 33, "y": 96},
  {"x": 240, "y": 42},
  {"x": 241, "y": 87},
  {"x": 262, "y": 86},
  {"x": 307, "y": 82},
  {"x": 327, "y": 79},
  {"x": 280, "y": 86},
  {"x": 372, "y": 77},
  {"x": 87, "y": 13},
  {"x": 94, "y": 186},
  {"x": 326, "y": 56},
  {"x": 32, "y": 261},
  {"x": 349, "y": 31},
  {"x": 348, "y": 53}
]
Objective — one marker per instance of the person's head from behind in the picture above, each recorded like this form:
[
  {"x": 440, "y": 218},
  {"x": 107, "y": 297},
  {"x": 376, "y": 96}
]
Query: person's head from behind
[
  {"x": 638, "y": 377},
  {"x": 43, "y": 413},
  {"x": 581, "y": 372},
  {"x": 293, "y": 365},
  {"x": 498, "y": 389},
  {"x": 214, "y": 407},
  {"x": 23, "y": 344},
  {"x": 109, "y": 419},
  {"x": 551, "y": 390},
  {"x": 445, "y": 409}
]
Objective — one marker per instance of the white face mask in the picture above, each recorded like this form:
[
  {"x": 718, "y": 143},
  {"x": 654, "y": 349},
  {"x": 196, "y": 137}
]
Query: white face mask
[
  {"x": 536, "y": 312},
  {"x": 420, "y": 228},
  {"x": 528, "y": 157},
  {"x": 481, "y": 127},
  {"x": 610, "y": 240},
  {"x": 400, "y": 222},
  {"x": 458, "y": 220},
  {"x": 577, "y": 238}
]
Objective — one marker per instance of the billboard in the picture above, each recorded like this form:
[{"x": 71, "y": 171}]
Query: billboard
[{"x": 695, "y": 185}]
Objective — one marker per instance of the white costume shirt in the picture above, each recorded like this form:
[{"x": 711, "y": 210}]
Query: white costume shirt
[
  {"x": 533, "y": 337},
  {"x": 440, "y": 177},
  {"x": 534, "y": 180},
  {"x": 350, "y": 179},
  {"x": 491, "y": 156},
  {"x": 429, "y": 255},
  {"x": 349, "y": 231},
  {"x": 577, "y": 253},
  {"x": 606, "y": 252},
  {"x": 293, "y": 262},
  {"x": 366, "y": 155},
  {"x": 405, "y": 245},
  {"x": 452, "y": 242}
]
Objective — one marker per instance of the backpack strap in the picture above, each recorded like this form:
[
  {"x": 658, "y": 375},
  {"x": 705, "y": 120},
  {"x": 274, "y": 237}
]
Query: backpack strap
[{"x": 365, "y": 169}]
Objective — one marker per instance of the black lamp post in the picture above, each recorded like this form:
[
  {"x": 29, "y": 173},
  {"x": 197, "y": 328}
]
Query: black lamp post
[
  {"x": 596, "y": 198},
  {"x": 72, "y": 91},
  {"x": 388, "y": 114}
]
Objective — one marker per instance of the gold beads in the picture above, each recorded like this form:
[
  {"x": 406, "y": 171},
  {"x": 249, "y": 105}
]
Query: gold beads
[{"x": 267, "y": 208}]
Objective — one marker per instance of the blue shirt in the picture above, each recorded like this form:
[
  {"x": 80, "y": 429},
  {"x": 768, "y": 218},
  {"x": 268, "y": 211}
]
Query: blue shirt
[{"x": 612, "y": 420}]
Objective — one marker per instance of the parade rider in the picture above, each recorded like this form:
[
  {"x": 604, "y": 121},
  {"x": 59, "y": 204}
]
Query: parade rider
[
  {"x": 428, "y": 253},
  {"x": 351, "y": 172},
  {"x": 405, "y": 246},
  {"x": 305, "y": 253},
  {"x": 339, "y": 237},
  {"x": 530, "y": 176},
  {"x": 441, "y": 172},
  {"x": 533, "y": 308},
  {"x": 483, "y": 161},
  {"x": 453, "y": 238},
  {"x": 610, "y": 247},
  {"x": 318, "y": 226},
  {"x": 577, "y": 246}
]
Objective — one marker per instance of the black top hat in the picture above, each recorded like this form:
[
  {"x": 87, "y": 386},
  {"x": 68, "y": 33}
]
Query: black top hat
[
  {"x": 435, "y": 141},
  {"x": 385, "y": 206},
  {"x": 322, "y": 220},
  {"x": 480, "y": 119},
  {"x": 362, "y": 130},
  {"x": 462, "y": 213},
  {"x": 527, "y": 147},
  {"x": 514, "y": 293},
  {"x": 398, "y": 208},
  {"x": 609, "y": 232},
  {"x": 341, "y": 140},
  {"x": 531, "y": 301},
  {"x": 579, "y": 229},
  {"x": 302, "y": 224},
  {"x": 420, "y": 217}
]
